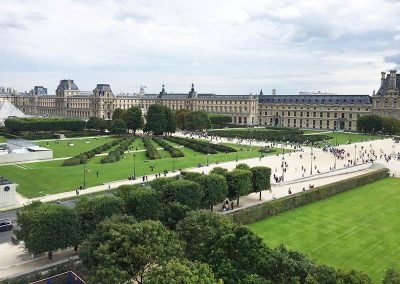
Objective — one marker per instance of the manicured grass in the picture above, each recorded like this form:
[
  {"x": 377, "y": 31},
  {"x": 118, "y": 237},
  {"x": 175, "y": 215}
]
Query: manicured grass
[
  {"x": 38, "y": 179},
  {"x": 357, "y": 229},
  {"x": 2, "y": 139},
  {"x": 344, "y": 138},
  {"x": 61, "y": 148}
]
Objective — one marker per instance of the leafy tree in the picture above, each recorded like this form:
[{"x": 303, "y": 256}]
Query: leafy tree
[
  {"x": 119, "y": 113},
  {"x": 220, "y": 119},
  {"x": 239, "y": 184},
  {"x": 134, "y": 119},
  {"x": 197, "y": 121},
  {"x": 142, "y": 203},
  {"x": 219, "y": 171},
  {"x": 171, "y": 121},
  {"x": 181, "y": 118},
  {"x": 174, "y": 212},
  {"x": 261, "y": 178},
  {"x": 118, "y": 126},
  {"x": 242, "y": 166},
  {"x": 156, "y": 119},
  {"x": 200, "y": 230},
  {"x": 185, "y": 192},
  {"x": 369, "y": 123},
  {"x": 391, "y": 277},
  {"x": 93, "y": 211},
  {"x": 390, "y": 125},
  {"x": 354, "y": 277},
  {"x": 125, "y": 251},
  {"x": 215, "y": 189},
  {"x": 45, "y": 227},
  {"x": 181, "y": 271},
  {"x": 160, "y": 183}
]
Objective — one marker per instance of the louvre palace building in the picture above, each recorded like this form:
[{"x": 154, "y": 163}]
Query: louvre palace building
[{"x": 305, "y": 110}]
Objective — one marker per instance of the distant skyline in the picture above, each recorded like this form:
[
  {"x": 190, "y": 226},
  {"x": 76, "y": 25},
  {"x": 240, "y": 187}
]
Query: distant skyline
[{"x": 225, "y": 47}]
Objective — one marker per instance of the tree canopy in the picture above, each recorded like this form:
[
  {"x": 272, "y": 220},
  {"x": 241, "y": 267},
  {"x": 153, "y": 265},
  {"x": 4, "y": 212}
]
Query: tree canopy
[
  {"x": 134, "y": 119},
  {"x": 197, "y": 121},
  {"x": 160, "y": 119}
]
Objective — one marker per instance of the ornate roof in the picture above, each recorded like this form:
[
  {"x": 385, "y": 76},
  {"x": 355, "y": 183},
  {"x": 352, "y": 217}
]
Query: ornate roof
[
  {"x": 67, "y": 85},
  {"x": 316, "y": 99},
  {"x": 385, "y": 85}
]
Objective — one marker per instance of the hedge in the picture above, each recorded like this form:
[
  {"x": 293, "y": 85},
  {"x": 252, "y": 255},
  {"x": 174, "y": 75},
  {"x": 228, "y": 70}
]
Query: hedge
[
  {"x": 291, "y": 135},
  {"x": 201, "y": 146},
  {"x": 85, "y": 156},
  {"x": 172, "y": 150},
  {"x": 151, "y": 151},
  {"x": 116, "y": 154},
  {"x": 220, "y": 119},
  {"x": 274, "y": 207},
  {"x": 43, "y": 124}
]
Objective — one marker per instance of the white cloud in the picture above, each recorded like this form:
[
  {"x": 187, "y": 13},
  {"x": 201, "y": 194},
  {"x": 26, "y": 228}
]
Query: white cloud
[{"x": 228, "y": 47}]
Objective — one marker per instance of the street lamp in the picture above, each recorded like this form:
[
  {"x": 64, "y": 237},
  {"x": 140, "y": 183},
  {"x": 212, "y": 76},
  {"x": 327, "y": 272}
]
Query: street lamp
[
  {"x": 283, "y": 152},
  {"x": 173, "y": 159},
  {"x": 355, "y": 154},
  {"x": 84, "y": 176},
  {"x": 237, "y": 156},
  {"x": 311, "y": 160},
  {"x": 134, "y": 166},
  {"x": 207, "y": 159},
  {"x": 334, "y": 166}
]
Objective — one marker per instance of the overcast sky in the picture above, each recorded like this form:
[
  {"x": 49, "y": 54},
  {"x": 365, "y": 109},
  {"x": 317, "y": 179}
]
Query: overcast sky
[{"x": 224, "y": 47}]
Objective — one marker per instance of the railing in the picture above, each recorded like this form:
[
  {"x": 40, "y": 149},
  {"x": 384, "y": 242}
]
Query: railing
[{"x": 68, "y": 277}]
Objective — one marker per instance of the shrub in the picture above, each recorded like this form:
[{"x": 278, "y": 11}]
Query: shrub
[
  {"x": 151, "y": 151},
  {"x": 116, "y": 154},
  {"x": 172, "y": 150},
  {"x": 74, "y": 161},
  {"x": 201, "y": 146},
  {"x": 267, "y": 209},
  {"x": 185, "y": 192}
]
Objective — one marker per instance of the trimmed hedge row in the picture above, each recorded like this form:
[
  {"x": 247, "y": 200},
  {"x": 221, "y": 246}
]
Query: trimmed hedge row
[
  {"x": 85, "y": 156},
  {"x": 291, "y": 135},
  {"x": 201, "y": 146},
  {"x": 116, "y": 154},
  {"x": 271, "y": 208},
  {"x": 44, "y": 124},
  {"x": 172, "y": 150},
  {"x": 151, "y": 151}
]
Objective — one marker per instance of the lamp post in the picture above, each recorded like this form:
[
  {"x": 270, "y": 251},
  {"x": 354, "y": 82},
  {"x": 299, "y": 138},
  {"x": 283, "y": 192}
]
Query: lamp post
[
  {"x": 134, "y": 166},
  {"x": 173, "y": 159},
  {"x": 355, "y": 154},
  {"x": 84, "y": 176},
  {"x": 207, "y": 160},
  {"x": 311, "y": 160},
  {"x": 334, "y": 166},
  {"x": 283, "y": 152},
  {"x": 237, "y": 156}
]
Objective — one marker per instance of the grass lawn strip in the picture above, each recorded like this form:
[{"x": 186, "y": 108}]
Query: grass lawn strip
[{"x": 350, "y": 230}]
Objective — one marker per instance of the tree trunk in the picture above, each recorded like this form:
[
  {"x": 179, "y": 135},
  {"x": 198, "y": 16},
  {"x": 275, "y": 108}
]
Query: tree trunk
[
  {"x": 50, "y": 255},
  {"x": 260, "y": 195},
  {"x": 76, "y": 248},
  {"x": 211, "y": 207},
  {"x": 237, "y": 203}
]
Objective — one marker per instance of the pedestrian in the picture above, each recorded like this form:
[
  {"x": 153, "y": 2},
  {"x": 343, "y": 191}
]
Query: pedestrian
[
  {"x": 77, "y": 191},
  {"x": 232, "y": 205},
  {"x": 109, "y": 185},
  {"x": 97, "y": 173}
]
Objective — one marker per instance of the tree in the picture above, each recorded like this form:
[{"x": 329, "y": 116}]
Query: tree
[
  {"x": 369, "y": 123},
  {"x": 92, "y": 211},
  {"x": 197, "y": 121},
  {"x": 156, "y": 119},
  {"x": 142, "y": 203},
  {"x": 186, "y": 192},
  {"x": 219, "y": 171},
  {"x": 171, "y": 121},
  {"x": 239, "y": 184},
  {"x": 220, "y": 119},
  {"x": 118, "y": 126},
  {"x": 215, "y": 189},
  {"x": 391, "y": 277},
  {"x": 181, "y": 271},
  {"x": 261, "y": 179},
  {"x": 174, "y": 212},
  {"x": 125, "y": 251},
  {"x": 390, "y": 125},
  {"x": 45, "y": 227},
  {"x": 242, "y": 166},
  {"x": 134, "y": 119},
  {"x": 119, "y": 113},
  {"x": 181, "y": 118}
]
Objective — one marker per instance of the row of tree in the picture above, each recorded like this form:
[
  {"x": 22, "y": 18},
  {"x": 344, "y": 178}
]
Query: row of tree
[
  {"x": 378, "y": 124},
  {"x": 36, "y": 124}
]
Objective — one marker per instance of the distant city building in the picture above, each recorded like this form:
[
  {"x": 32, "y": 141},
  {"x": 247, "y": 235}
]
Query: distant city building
[{"x": 315, "y": 110}]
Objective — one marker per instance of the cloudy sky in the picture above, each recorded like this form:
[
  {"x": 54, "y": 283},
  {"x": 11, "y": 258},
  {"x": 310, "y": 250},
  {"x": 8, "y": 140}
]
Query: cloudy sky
[{"x": 222, "y": 46}]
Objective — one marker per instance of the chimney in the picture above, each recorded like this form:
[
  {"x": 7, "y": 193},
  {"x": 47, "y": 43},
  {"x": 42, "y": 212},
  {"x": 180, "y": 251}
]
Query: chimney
[
  {"x": 69, "y": 84},
  {"x": 392, "y": 79},
  {"x": 274, "y": 92},
  {"x": 383, "y": 76}
]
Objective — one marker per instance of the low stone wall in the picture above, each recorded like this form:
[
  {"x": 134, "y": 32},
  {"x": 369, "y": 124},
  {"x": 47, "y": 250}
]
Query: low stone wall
[
  {"x": 261, "y": 211},
  {"x": 23, "y": 157}
]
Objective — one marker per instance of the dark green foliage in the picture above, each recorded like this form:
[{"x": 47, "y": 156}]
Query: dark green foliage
[
  {"x": 181, "y": 117},
  {"x": 219, "y": 171},
  {"x": 369, "y": 123},
  {"x": 220, "y": 119},
  {"x": 43, "y": 124},
  {"x": 267, "y": 209},
  {"x": 185, "y": 192},
  {"x": 197, "y": 121},
  {"x": 215, "y": 189},
  {"x": 142, "y": 203},
  {"x": 118, "y": 126},
  {"x": 261, "y": 179},
  {"x": 242, "y": 166},
  {"x": 391, "y": 277},
  {"x": 46, "y": 227},
  {"x": 119, "y": 113},
  {"x": 201, "y": 146},
  {"x": 174, "y": 212},
  {"x": 160, "y": 119},
  {"x": 151, "y": 151},
  {"x": 175, "y": 152},
  {"x": 181, "y": 271},
  {"x": 116, "y": 154},
  {"x": 134, "y": 119},
  {"x": 121, "y": 252},
  {"x": 291, "y": 135},
  {"x": 239, "y": 184},
  {"x": 74, "y": 161},
  {"x": 93, "y": 211},
  {"x": 96, "y": 123},
  {"x": 160, "y": 183}
]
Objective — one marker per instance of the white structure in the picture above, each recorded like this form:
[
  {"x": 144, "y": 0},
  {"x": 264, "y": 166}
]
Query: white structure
[
  {"x": 7, "y": 193},
  {"x": 18, "y": 150},
  {"x": 7, "y": 109}
]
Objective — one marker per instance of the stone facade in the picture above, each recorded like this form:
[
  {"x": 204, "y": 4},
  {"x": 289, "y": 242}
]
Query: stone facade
[{"x": 314, "y": 111}]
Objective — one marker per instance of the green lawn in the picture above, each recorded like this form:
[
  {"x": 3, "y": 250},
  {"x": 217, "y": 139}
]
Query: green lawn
[
  {"x": 2, "y": 139},
  {"x": 61, "y": 149},
  {"x": 343, "y": 138},
  {"x": 357, "y": 229},
  {"x": 38, "y": 179}
]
